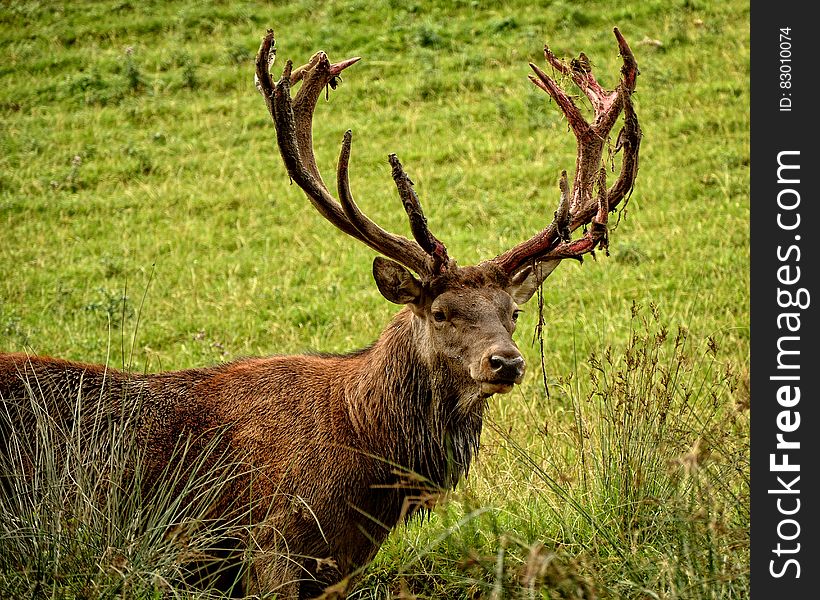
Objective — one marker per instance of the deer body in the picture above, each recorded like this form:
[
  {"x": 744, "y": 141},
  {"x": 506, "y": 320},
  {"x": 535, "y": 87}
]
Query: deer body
[{"x": 342, "y": 448}]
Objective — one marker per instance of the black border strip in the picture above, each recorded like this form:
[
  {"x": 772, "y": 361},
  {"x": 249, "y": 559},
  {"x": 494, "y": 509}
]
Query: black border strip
[{"x": 784, "y": 500}]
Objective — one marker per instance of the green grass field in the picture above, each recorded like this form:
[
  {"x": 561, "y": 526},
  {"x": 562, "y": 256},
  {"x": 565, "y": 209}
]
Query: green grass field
[{"x": 146, "y": 221}]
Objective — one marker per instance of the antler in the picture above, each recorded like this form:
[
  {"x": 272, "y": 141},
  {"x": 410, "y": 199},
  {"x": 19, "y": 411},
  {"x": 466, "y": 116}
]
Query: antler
[
  {"x": 293, "y": 118},
  {"x": 577, "y": 206}
]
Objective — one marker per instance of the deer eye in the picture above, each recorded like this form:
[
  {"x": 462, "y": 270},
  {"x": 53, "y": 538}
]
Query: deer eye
[
  {"x": 439, "y": 316},
  {"x": 515, "y": 314}
]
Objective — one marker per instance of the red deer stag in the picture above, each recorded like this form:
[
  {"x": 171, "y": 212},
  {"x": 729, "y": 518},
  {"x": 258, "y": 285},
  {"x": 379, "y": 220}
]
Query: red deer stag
[{"x": 359, "y": 439}]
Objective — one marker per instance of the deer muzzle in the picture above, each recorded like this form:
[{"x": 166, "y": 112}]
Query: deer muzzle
[
  {"x": 506, "y": 367},
  {"x": 500, "y": 371}
]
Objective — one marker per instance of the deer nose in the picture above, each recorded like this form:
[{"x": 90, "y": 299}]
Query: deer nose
[{"x": 508, "y": 368}]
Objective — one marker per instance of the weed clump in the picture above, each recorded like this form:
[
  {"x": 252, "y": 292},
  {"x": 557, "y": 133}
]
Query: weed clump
[{"x": 77, "y": 518}]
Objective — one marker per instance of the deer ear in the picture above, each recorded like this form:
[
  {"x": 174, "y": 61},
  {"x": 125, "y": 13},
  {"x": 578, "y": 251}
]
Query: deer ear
[
  {"x": 395, "y": 282},
  {"x": 526, "y": 280}
]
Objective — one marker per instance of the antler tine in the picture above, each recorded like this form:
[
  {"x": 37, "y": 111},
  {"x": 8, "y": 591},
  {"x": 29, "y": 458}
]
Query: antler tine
[
  {"x": 418, "y": 222},
  {"x": 393, "y": 246},
  {"x": 629, "y": 140},
  {"x": 578, "y": 207},
  {"x": 293, "y": 119}
]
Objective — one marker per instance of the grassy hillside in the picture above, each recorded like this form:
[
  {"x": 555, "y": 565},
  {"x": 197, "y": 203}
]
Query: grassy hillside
[{"x": 146, "y": 220}]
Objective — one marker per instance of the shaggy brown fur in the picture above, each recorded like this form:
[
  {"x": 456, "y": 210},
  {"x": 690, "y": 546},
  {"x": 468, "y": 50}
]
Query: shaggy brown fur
[{"x": 342, "y": 447}]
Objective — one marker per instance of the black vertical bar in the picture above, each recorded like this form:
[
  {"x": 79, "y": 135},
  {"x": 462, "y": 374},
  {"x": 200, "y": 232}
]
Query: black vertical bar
[{"x": 785, "y": 429}]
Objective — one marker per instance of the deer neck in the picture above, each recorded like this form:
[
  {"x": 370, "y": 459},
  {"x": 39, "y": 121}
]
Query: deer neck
[{"x": 413, "y": 408}]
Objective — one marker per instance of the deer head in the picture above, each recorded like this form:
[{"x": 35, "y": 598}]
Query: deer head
[{"x": 465, "y": 316}]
